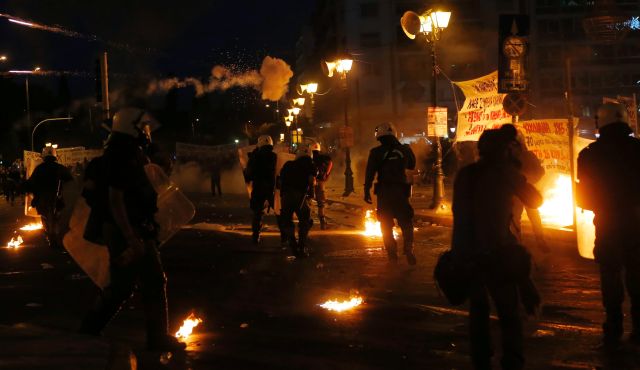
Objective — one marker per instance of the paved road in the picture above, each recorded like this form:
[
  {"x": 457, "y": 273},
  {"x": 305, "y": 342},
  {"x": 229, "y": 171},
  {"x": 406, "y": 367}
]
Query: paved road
[{"x": 260, "y": 307}]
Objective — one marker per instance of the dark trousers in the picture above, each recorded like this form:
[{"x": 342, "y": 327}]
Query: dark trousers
[
  {"x": 294, "y": 202},
  {"x": 321, "y": 198},
  {"x": 146, "y": 274},
  {"x": 258, "y": 204},
  {"x": 50, "y": 224},
  {"x": 505, "y": 298},
  {"x": 393, "y": 203},
  {"x": 615, "y": 275}
]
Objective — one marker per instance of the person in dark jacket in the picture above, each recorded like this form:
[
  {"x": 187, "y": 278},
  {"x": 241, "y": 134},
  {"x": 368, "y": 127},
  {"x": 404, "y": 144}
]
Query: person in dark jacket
[
  {"x": 323, "y": 164},
  {"x": 531, "y": 167},
  {"x": 389, "y": 162},
  {"x": 46, "y": 183},
  {"x": 608, "y": 183},
  {"x": 482, "y": 211},
  {"x": 261, "y": 173},
  {"x": 297, "y": 180},
  {"x": 130, "y": 232}
]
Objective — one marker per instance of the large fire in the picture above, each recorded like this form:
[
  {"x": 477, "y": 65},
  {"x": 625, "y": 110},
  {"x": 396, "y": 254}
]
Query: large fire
[
  {"x": 557, "y": 209},
  {"x": 32, "y": 226},
  {"x": 15, "y": 242},
  {"x": 340, "y": 306},
  {"x": 187, "y": 326}
]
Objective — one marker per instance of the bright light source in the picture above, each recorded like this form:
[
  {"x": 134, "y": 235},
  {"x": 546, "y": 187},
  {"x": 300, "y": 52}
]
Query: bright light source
[
  {"x": 47, "y": 144},
  {"x": 299, "y": 129},
  {"x": 344, "y": 65},
  {"x": 281, "y": 137},
  {"x": 267, "y": 106},
  {"x": 440, "y": 19},
  {"x": 20, "y": 72},
  {"x": 298, "y": 101},
  {"x": 21, "y": 22},
  {"x": 36, "y": 69},
  {"x": 3, "y": 57},
  {"x": 452, "y": 129},
  {"x": 295, "y": 111},
  {"x": 236, "y": 141},
  {"x": 54, "y": 146}
]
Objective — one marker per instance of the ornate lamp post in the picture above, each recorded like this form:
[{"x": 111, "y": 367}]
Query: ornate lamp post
[
  {"x": 342, "y": 66},
  {"x": 430, "y": 24},
  {"x": 311, "y": 88}
]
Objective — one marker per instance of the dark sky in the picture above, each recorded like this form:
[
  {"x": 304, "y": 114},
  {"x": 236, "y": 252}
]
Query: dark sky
[{"x": 152, "y": 37}]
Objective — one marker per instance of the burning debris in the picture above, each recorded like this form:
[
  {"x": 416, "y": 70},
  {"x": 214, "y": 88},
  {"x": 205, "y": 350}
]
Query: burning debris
[
  {"x": 341, "y": 306},
  {"x": 32, "y": 226},
  {"x": 15, "y": 242},
  {"x": 187, "y": 326},
  {"x": 372, "y": 226}
]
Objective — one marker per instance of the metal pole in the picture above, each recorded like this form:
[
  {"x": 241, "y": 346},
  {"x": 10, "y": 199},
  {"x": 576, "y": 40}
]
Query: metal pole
[
  {"x": 26, "y": 89},
  {"x": 569, "y": 97},
  {"x": 104, "y": 75},
  {"x": 47, "y": 120},
  {"x": 438, "y": 180},
  {"x": 348, "y": 173}
]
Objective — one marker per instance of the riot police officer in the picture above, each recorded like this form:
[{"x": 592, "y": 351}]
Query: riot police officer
[
  {"x": 296, "y": 182},
  {"x": 46, "y": 184},
  {"x": 608, "y": 183},
  {"x": 130, "y": 232},
  {"x": 323, "y": 165},
  {"x": 390, "y": 161},
  {"x": 261, "y": 173}
]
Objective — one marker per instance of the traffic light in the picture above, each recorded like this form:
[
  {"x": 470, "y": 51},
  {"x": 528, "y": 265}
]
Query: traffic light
[
  {"x": 98, "y": 78},
  {"x": 513, "y": 39}
]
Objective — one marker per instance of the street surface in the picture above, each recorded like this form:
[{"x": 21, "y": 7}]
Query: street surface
[{"x": 261, "y": 307}]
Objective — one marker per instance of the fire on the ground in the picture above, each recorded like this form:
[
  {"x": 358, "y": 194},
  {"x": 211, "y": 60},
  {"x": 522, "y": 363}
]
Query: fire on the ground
[{"x": 187, "y": 326}]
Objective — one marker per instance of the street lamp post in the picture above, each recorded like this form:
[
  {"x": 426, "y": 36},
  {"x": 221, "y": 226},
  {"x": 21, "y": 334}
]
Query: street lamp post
[
  {"x": 430, "y": 24},
  {"x": 47, "y": 120},
  {"x": 311, "y": 88},
  {"x": 343, "y": 66}
]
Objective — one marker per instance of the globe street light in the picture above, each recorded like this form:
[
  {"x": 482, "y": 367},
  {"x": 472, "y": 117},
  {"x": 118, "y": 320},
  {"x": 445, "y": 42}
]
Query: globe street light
[
  {"x": 342, "y": 66},
  {"x": 430, "y": 24},
  {"x": 311, "y": 88}
]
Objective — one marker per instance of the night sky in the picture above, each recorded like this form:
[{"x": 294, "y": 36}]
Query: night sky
[{"x": 150, "y": 37}]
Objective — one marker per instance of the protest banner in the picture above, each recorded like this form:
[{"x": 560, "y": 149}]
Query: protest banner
[{"x": 482, "y": 107}]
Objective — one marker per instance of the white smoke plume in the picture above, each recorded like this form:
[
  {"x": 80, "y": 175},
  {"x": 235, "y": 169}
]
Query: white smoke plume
[{"x": 272, "y": 81}]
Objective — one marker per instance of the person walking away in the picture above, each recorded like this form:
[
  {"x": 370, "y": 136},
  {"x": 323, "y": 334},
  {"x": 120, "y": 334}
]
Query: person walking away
[
  {"x": 14, "y": 179},
  {"x": 323, "y": 165},
  {"x": 46, "y": 184},
  {"x": 297, "y": 180},
  {"x": 532, "y": 169},
  {"x": 482, "y": 204},
  {"x": 390, "y": 161},
  {"x": 261, "y": 173},
  {"x": 608, "y": 183},
  {"x": 130, "y": 232}
]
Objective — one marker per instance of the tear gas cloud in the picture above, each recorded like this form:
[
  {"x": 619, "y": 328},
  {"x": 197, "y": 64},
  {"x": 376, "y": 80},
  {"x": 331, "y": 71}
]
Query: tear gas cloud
[{"x": 271, "y": 81}]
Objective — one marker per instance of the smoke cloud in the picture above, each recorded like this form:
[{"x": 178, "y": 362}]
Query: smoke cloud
[{"x": 272, "y": 81}]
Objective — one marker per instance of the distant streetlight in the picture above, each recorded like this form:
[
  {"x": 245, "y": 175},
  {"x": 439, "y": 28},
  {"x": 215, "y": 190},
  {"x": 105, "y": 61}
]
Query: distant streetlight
[
  {"x": 342, "y": 66},
  {"x": 3, "y": 58},
  {"x": 236, "y": 141},
  {"x": 44, "y": 121},
  {"x": 430, "y": 24}
]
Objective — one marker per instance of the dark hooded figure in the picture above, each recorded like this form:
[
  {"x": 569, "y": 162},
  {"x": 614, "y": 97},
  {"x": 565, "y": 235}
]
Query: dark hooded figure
[
  {"x": 390, "y": 161},
  {"x": 608, "y": 183},
  {"x": 261, "y": 173},
  {"x": 482, "y": 213}
]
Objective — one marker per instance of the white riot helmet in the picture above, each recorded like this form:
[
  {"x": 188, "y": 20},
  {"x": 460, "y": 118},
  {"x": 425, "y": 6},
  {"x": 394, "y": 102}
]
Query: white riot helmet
[
  {"x": 49, "y": 151},
  {"x": 264, "y": 140},
  {"x": 609, "y": 113},
  {"x": 315, "y": 146},
  {"x": 303, "y": 151},
  {"x": 133, "y": 122},
  {"x": 386, "y": 129}
]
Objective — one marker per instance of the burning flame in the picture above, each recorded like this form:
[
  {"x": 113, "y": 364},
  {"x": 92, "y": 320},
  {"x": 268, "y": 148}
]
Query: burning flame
[
  {"x": 557, "y": 209},
  {"x": 32, "y": 226},
  {"x": 187, "y": 326},
  {"x": 372, "y": 226},
  {"x": 15, "y": 243},
  {"x": 335, "y": 305}
]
